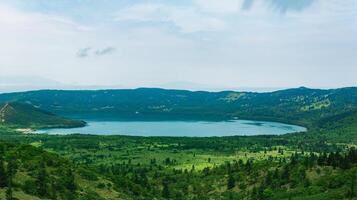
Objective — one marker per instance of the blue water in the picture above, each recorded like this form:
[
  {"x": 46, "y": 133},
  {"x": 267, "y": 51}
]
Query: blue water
[{"x": 180, "y": 128}]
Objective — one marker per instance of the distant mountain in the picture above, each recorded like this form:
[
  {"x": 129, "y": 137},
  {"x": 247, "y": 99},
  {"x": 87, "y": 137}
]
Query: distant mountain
[
  {"x": 213, "y": 88},
  {"x": 300, "y": 105},
  {"x": 26, "y": 83},
  {"x": 27, "y": 116}
]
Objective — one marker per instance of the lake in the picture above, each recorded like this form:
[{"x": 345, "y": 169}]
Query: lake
[{"x": 180, "y": 128}]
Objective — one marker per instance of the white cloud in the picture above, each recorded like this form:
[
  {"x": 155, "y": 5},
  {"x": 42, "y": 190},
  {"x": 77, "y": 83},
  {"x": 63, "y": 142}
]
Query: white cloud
[
  {"x": 219, "y": 6},
  {"x": 18, "y": 20},
  {"x": 143, "y": 12},
  {"x": 186, "y": 19}
]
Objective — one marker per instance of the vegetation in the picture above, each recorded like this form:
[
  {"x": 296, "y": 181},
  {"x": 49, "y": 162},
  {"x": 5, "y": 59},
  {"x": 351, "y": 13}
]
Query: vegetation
[
  {"x": 302, "y": 105},
  {"x": 178, "y": 168},
  {"x": 27, "y": 172},
  {"x": 22, "y": 115},
  {"x": 318, "y": 164}
]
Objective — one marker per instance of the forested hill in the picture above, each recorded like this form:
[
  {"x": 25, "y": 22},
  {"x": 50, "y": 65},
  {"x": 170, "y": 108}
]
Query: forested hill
[
  {"x": 24, "y": 115},
  {"x": 30, "y": 173},
  {"x": 301, "y": 105}
]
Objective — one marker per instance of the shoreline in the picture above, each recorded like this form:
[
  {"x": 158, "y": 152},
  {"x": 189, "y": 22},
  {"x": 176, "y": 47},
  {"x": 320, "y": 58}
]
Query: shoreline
[{"x": 25, "y": 130}]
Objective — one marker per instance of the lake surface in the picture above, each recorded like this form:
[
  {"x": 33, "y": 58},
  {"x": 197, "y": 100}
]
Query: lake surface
[{"x": 180, "y": 128}]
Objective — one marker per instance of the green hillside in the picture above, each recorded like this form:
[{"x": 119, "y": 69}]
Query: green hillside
[
  {"x": 29, "y": 173},
  {"x": 24, "y": 115},
  {"x": 301, "y": 105},
  {"x": 340, "y": 128}
]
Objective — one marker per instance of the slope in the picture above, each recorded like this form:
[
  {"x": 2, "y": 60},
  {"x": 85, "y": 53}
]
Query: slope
[{"x": 27, "y": 116}]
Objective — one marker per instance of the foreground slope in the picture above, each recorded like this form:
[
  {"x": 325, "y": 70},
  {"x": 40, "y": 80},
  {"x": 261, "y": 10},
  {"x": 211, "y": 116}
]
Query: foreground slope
[
  {"x": 117, "y": 167},
  {"x": 29, "y": 173}
]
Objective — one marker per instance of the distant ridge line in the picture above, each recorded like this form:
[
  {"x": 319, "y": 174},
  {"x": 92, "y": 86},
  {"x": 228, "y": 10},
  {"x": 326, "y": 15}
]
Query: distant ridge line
[{"x": 174, "y": 89}]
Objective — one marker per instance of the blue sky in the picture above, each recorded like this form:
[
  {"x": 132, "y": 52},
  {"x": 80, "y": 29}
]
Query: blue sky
[{"x": 181, "y": 44}]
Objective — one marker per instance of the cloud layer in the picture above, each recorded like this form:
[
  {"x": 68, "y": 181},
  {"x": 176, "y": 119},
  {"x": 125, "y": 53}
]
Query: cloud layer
[{"x": 223, "y": 43}]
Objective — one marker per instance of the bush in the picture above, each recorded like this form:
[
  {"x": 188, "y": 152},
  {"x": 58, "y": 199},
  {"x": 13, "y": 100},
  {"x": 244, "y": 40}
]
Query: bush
[
  {"x": 29, "y": 187},
  {"x": 101, "y": 185},
  {"x": 88, "y": 175}
]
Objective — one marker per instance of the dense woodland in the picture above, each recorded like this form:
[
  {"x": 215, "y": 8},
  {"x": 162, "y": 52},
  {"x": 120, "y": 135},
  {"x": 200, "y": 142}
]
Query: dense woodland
[{"x": 318, "y": 164}]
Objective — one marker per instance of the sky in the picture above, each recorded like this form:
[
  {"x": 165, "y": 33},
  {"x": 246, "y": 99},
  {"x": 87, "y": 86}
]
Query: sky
[{"x": 185, "y": 44}]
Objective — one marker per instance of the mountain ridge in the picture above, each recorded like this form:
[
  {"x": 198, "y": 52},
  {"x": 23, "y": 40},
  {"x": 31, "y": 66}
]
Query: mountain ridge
[
  {"x": 318, "y": 110},
  {"x": 301, "y": 106}
]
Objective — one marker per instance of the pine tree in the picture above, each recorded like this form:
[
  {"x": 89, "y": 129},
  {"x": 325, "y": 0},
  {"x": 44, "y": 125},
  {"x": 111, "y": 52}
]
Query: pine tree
[
  {"x": 230, "y": 182},
  {"x": 3, "y": 175},
  {"x": 9, "y": 189},
  {"x": 70, "y": 184},
  {"x": 248, "y": 166},
  {"x": 285, "y": 173},
  {"x": 268, "y": 179},
  {"x": 42, "y": 180},
  {"x": 53, "y": 193},
  {"x": 11, "y": 170},
  {"x": 165, "y": 190},
  {"x": 351, "y": 193}
]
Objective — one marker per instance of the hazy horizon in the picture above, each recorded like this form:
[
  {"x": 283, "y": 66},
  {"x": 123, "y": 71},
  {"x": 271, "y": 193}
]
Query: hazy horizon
[
  {"x": 24, "y": 84},
  {"x": 190, "y": 44}
]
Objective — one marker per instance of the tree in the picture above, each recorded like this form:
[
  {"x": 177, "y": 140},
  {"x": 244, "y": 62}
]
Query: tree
[
  {"x": 249, "y": 166},
  {"x": 165, "y": 190},
  {"x": 193, "y": 168},
  {"x": 258, "y": 193},
  {"x": 268, "y": 179},
  {"x": 52, "y": 192},
  {"x": 9, "y": 190},
  {"x": 285, "y": 173},
  {"x": 3, "y": 175},
  {"x": 70, "y": 184},
  {"x": 41, "y": 180},
  {"x": 230, "y": 182},
  {"x": 11, "y": 170},
  {"x": 351, "y": 193}
]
